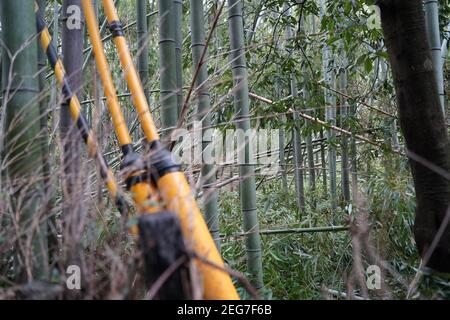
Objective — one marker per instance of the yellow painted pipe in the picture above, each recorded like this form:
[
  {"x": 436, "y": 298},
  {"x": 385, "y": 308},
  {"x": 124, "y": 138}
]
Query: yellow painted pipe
[
  {"x": 132, "y": 77},
  {"x": 173, "y": 186},
  {"x": 105, "y": 75},
  {"x": 144, "y": 194},
  {"x": 176, "y": 192},
  {"x": 146, "y": 198},
  {"x": 75, "y": 107}
]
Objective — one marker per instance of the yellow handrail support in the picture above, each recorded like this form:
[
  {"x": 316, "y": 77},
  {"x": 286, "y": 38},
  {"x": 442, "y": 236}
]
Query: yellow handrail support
[{"x": 171, "y": 182}]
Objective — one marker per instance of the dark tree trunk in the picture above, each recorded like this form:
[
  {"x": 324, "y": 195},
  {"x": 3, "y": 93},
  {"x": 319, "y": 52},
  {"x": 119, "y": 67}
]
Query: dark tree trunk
[
  {"x": 72, "y": 48},
  {"x": 421, "y": 121}
]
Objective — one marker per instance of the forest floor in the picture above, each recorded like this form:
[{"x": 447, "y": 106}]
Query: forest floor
[{"x": 326, "y": 264}]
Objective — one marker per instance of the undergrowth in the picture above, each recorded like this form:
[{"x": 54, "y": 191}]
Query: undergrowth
[{"x": 309, "y": 265}]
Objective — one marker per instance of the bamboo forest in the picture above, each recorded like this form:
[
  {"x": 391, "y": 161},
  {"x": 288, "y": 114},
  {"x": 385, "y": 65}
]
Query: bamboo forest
[{"x": 224, "y": 150}]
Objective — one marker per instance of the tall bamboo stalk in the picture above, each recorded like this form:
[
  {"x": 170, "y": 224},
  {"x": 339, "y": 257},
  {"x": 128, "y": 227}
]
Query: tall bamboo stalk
[
  {"x": 392, "y": 122},
  {"x": 323, "y": 170},
  {"x": 246, "y": 169},
  {"x": 279, "y": 96},
  {"x": 310, "y": 156},
  {"x": 53, "y": 242},
  {"x": 203, "y": 114},
  {"x": 330, "y": 115},
  {"x": 178, "y": 19},
  {"x": 167, "y": 62},
  {"x": 345, "y": 166},
  {"x": 43, "y": 112},
  {"x": 43, "y": 101},
  {"x": 298, "y": 155},
  {"x": 353, "y": 158},
  {"x": 309, "y": 138},
  {"x": 142, "y": 28},
  {"x": 296, "y": 135},
  {"x": 282, "y": 138},
  {"x": 434, "y": 39},
  {"x": 309, "y": 143},
  {"x": 310, "y": 147},
  {"x": 21, "y": 150},
  {"x": 323, "y": 165}
]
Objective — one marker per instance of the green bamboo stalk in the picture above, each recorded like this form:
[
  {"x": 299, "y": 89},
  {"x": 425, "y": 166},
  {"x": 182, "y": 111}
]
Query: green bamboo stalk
[
  {"x": 278, "y": 93},
  {"x": 322, "y": 147},
  {"x": 309, "y": 138},
  {"x": 203, "y": 114},
  {"x": 282, "y": 155},
  {"x": 142, "y": 56},
  {"x": 246, "y": 170},
  {"x": 323, "y": 165},
  {"x": 298, "y": 155},
  {"x": 310, "y": 155},
  {"x": 392, "y": 123},
  {"x": 282, "y": 138},
  {"x": 96, "y": 104},
  {"x": 434, "y": 39},
  {"x": 296, "y": 135},
  {"x": 43, "y": 112},
  {"x": 330, "y": 115},
  {"x": 178, "y": 20},
  {"x": 331, "y": 118},
  {"x": 341, "y": 84},
  {"x": 321, "y": 135},
  {"x": 21, "y": 150},
  {"x": 297, "y": 230},
  {"x": 167, "y": 62},
  {"x": 43, "y": 104},
  {"x": 352, "y": 164},
  {"x": 345, "y": 166},
  {"x": 353, "y": 159},
  {"x": 53, "y": 242}
]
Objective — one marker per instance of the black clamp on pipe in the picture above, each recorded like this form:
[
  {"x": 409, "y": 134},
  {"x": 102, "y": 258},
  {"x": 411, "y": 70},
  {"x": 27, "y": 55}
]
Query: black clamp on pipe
[
  {"x": 133, "y": 167},
  {"x": 116, "y": 28},
  {"x": 161, "y": 161}
]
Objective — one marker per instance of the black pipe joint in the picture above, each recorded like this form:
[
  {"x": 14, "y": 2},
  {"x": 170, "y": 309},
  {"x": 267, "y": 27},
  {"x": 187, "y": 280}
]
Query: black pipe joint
[
  {"x": 115, "y": 27},
  {"x": 161, "y": 161},
  {"x": 133, "y": 162}
]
